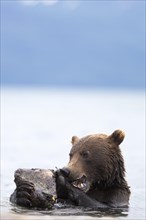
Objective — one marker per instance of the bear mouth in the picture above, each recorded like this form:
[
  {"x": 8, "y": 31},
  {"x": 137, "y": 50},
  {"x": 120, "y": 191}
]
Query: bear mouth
[{"x": 81, "y": 183}]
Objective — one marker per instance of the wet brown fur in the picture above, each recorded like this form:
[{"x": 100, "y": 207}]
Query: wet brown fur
[{"x": 99, "y": 158}]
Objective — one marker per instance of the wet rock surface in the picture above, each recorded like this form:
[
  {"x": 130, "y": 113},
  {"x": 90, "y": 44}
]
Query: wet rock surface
[{"x": 34, "y": 188}]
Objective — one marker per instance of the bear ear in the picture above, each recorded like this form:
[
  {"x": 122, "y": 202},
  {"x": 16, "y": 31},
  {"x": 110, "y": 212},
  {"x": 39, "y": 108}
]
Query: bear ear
[
  {"x": 74, "y": 139},
  {"x": 117, "y": 136}
]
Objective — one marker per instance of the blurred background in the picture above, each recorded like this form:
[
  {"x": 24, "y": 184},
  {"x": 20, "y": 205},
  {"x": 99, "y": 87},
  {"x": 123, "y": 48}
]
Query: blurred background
[
  {"x": 71, "y": 68},
  {"x": 73, "y": 43}
]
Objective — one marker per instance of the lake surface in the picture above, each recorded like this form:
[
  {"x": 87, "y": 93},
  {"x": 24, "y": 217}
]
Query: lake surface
[{"x": 36, "y": 130}]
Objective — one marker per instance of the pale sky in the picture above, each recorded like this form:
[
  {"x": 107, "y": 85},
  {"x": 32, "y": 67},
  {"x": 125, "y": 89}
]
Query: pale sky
[{"x": 73, "y": 43}]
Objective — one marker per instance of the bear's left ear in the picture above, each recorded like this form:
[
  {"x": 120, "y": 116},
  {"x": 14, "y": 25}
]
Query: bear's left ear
[
  {"x": 117, "y": 136},
  {"x": 74, "y": 139}
]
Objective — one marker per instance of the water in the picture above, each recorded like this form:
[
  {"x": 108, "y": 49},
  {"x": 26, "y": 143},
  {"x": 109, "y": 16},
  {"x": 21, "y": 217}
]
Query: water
[{"x": 37, "y": 126}]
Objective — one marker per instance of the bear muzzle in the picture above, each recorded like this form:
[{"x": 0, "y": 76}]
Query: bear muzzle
[
  {"x": 78, "y": 182},
  {"x": 65, "y": 171},
  {"x": 82, "y": 183}
]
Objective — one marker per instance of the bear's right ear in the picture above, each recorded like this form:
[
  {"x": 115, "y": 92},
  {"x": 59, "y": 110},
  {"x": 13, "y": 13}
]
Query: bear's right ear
[
  {"x": 117, "y": 136},
  {"x": 74, "y": 139}
]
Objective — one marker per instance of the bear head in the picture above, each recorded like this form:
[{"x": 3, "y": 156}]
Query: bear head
[{"x": 96, "y": 161}]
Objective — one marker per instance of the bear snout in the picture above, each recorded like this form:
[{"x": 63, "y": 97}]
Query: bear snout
[{"x": 65, "y": 171}]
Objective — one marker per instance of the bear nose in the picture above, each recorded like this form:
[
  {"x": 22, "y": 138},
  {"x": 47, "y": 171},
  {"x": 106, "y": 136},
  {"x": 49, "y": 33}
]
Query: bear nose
[{"x": 65, "y": 171}]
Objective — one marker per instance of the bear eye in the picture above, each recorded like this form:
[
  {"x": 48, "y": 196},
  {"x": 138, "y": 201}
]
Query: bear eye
[{"x": 85, "y": 154}]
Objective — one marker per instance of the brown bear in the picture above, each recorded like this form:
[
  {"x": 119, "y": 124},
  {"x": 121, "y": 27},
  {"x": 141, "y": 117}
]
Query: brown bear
[
  {"x": 95, "y": 174},
  {"x": 93, "y": 178}
]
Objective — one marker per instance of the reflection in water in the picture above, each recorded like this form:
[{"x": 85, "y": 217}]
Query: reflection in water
[{"x": 72, "y": 210}]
